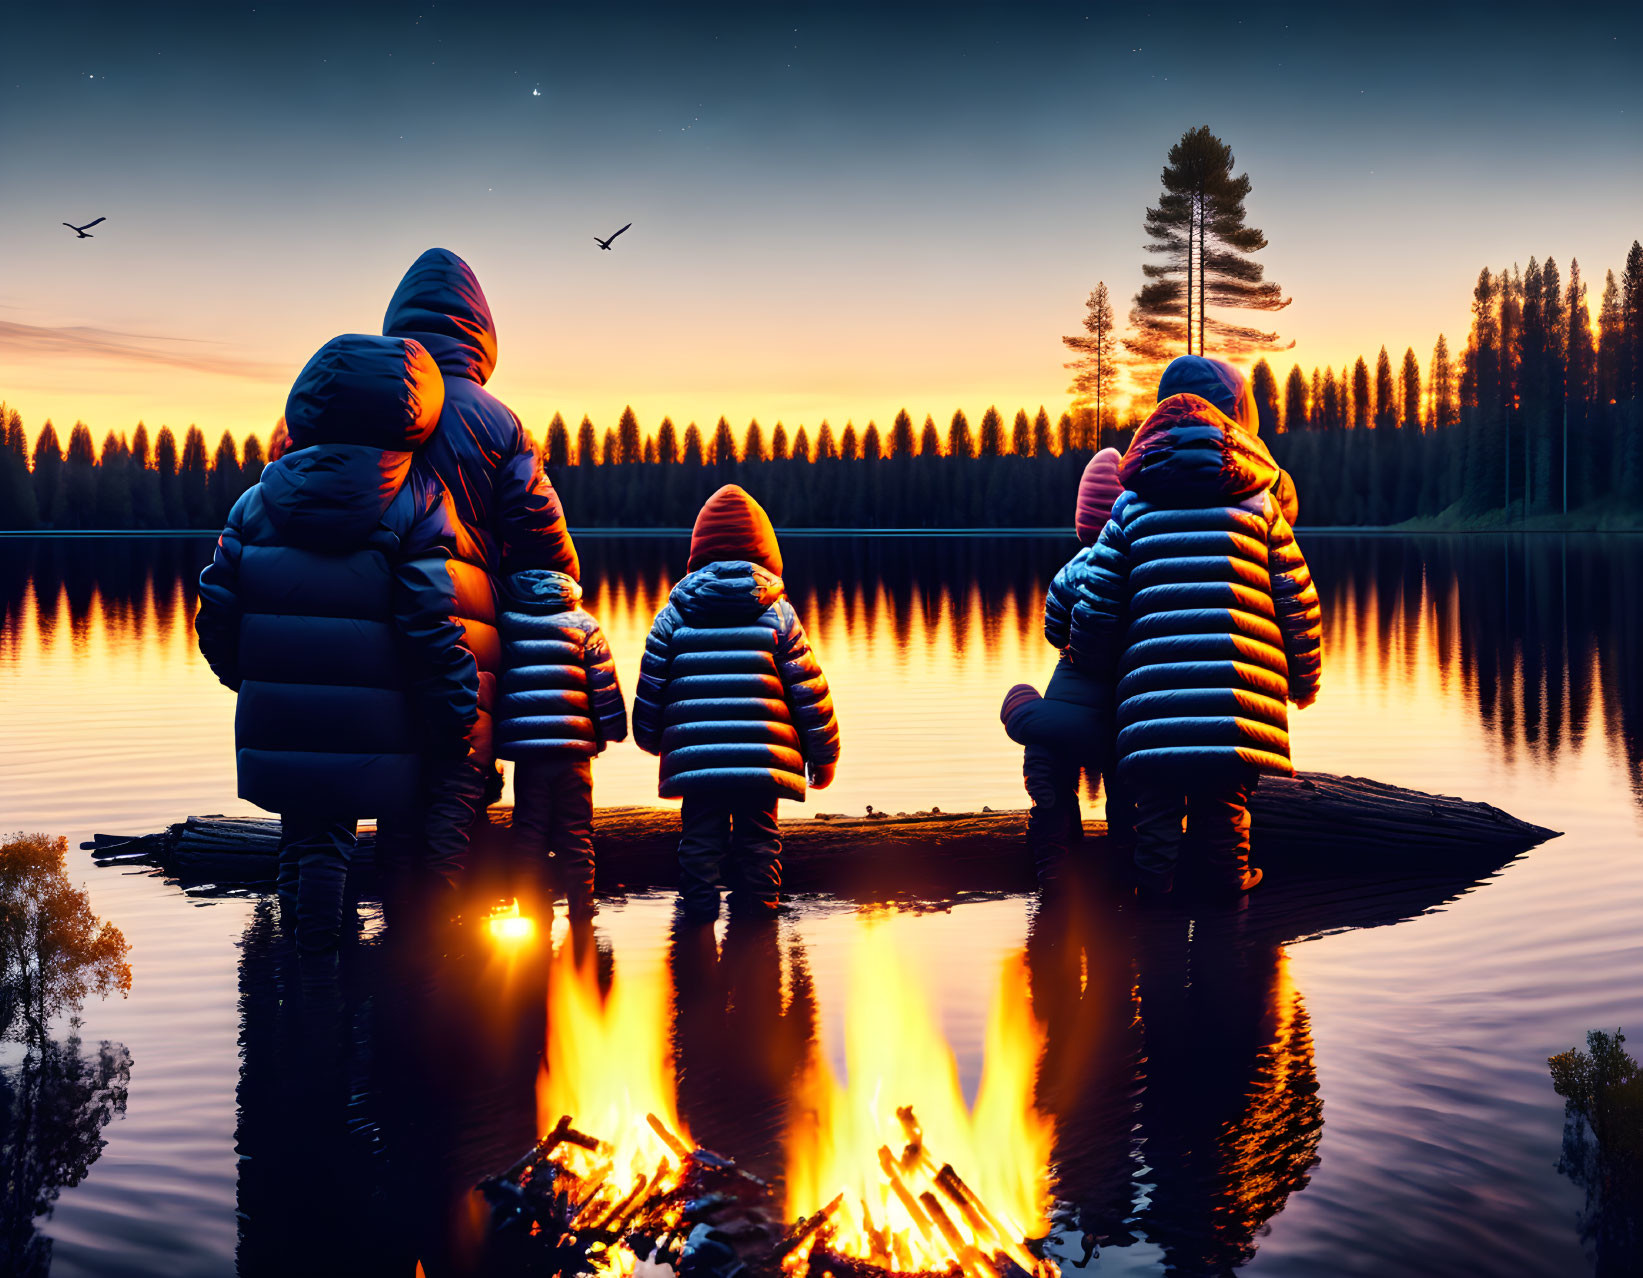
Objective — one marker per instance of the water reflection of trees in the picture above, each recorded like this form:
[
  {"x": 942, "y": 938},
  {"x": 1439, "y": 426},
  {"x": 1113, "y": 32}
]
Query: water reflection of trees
[{"x": 56, "y": 1100}]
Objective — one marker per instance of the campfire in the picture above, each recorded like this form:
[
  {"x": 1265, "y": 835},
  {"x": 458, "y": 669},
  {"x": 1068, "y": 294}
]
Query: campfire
[
  {"x": 892, "y": 1172},
  {"x": 889, "y": 1172}
]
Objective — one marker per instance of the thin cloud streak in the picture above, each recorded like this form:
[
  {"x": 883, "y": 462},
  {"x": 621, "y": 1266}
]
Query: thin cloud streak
[{"x": 84, "y": 342}]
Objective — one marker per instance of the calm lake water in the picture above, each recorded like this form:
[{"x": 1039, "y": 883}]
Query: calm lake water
[{"x": 1359, "y": 1101}]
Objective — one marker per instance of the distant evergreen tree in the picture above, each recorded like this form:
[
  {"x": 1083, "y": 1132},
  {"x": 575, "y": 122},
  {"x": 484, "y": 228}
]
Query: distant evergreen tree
[
  {"x": 587, "y": 444},
  {"x": 1021, "y": 434},
  {"x": 649, "y": 453},
  {"x": 1198, "y": 230},
  {"x": 722, "y": 447},
  {"x": 610, "y": 448},
  {"x": 1611, "y": 345},
  {"x": 871, "y": 448},
  {"x": 1043, "y": 443},
  {"x": 141, "y": 453},
  {"x": 1295, "y": 404},
  {"x": 224, "y": 486},
  {"x": 826, "y": 449},
  {"x": 693, "y": 455},
  {"x": 929, "y": 444},
  {"x": 80, "y": 479},
  {"x": 1265, "y": 388},
  {"x": 1386, "y": 395},
  {"x": 1411, "y": 391},
  {"x": 849, "y": 447},
  {"x": 48, "y": 476},
  {"x": 170, "y": 487},
  {"x": 558, "y": 443},
  {"x": 801, "y": 446},
  {"x": 1441, "y": 383},
  {"x": 901, "y": 442},
  {"x": 667, "y": 443},
  {"x": 252, "y": 462},
  {"x": 1330, "y": 399},
  {"x": 17, "y": 507},
  {"x": 992, "y": 433},
  {"x": 628, "y": 446},
  {"x": 1588, "y": 464},
  {"x": 753, "y": 443},
  {"x": 779, "y": 449},
  {"x": 1360, "y": 395},
  {"x": 193, "y": 473},
  {"x": 1095, "y": 368},
  {"x": 1631, "y": 318},
  {"x": 114, "y": 487},
  {"x": 1064, "y": 434}
]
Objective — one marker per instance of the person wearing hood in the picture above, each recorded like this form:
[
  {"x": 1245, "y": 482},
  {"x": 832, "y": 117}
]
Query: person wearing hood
[
  {"x": 1202, "y": 606},
  {"x": 732, "y": 698},
  {"x": 1070, "y": 728},
  {"x": 507, "y": 509},
  {"x": 330, "y": 608},
  {"x": 558, "y": 706}
]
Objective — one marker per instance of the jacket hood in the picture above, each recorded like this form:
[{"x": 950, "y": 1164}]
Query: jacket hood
[
  {"x": 1190, "y": 453},
  {"x": 440, "y": 303},
  {"x": 379, "y": 392},
  {"x": 1097, "y": 491},
  {"x": 332, "y": 495},
  {"x": 1215, "y": 380},
  {"x": 732, "y": 526},
  {"x": 726, "y": 592},
  {"x": 541, "y": 590}
]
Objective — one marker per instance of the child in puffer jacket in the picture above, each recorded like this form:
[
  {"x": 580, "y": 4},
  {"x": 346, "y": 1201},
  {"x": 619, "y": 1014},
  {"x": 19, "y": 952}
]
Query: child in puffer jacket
[
  {"x": 1070, "y": 728},
  {"x": 559, "y": 704},
  {"x": 731, "y": 697}
]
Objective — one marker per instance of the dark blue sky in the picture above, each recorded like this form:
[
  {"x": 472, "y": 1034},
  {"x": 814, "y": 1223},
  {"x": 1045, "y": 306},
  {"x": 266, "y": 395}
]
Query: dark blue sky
[{"x": 837, "y": 209}]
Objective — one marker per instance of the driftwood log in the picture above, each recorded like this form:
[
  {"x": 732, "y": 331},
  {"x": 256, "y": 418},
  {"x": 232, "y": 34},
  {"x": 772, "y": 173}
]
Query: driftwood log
[{"x": 1311, "y": 827}]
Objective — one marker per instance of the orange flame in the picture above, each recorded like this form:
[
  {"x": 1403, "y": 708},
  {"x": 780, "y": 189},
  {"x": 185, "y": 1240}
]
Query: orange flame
[{"x": 940, "y": 1181}]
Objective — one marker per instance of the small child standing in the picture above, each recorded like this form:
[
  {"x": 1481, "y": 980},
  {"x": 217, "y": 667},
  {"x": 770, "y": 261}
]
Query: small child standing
[
  {"x": 1070, "y": 728},
  {"x": 558, "y": 705},
  {"x": 732, "y": 699}
]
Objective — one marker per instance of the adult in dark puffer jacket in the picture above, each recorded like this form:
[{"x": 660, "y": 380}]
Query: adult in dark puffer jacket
[
  {"x": 1203, "y": 606},
  {"x": 732, "y": 698},
  {"x": 560, "y": 704},
  {"x": 507, "y": 508},
  {"x": 1070, "y": 728},
  {"x": 329, "y": 607}
]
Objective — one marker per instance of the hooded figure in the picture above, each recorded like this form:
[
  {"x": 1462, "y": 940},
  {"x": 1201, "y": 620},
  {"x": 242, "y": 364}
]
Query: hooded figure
[
  {"x": 1069, "y": 729},
  {"x": 1203, "y": 607},
  {"x": 560, "y": 705},
  {"x": 329, "y": 607},
  {"x": 503, "y": 500},
  {"x": 731, "y": 697}
]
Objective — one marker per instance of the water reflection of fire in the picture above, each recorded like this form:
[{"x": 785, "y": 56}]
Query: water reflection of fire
[{"x": 892, "y": 1171}]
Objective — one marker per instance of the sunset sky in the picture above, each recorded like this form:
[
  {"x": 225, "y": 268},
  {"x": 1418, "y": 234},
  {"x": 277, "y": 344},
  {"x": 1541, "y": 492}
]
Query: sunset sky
[{"x": 838, "y": 211}]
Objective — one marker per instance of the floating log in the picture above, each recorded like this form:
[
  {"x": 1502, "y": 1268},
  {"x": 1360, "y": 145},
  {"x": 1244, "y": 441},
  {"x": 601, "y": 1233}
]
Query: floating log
[{"x": 1311, "y": 826}]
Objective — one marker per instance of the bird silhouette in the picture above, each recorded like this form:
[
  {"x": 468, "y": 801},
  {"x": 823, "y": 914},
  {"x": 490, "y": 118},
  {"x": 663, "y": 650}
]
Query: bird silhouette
[
  {"x": 81, "y": 230},
  {"x": 605, "y": 244}
]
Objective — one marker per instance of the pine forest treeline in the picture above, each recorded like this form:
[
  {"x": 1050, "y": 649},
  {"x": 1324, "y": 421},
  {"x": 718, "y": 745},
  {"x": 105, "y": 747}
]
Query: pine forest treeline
[{"x": 1541, "y": 406}]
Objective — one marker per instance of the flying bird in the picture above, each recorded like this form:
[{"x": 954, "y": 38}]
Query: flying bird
[
  {"x": 81, "y": 230},
  {"x": 605, "y": 244}
]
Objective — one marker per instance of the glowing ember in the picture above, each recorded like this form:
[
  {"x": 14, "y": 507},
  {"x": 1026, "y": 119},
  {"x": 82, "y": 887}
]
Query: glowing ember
[
  {"x": 507, "y": 924},
  {"x": 894, "y": 1169}
]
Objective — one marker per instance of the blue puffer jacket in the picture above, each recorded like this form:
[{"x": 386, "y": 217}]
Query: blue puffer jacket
[
  {"x": 1200, "y": 602},
  {"x": 559, "y": 693},
  {"x": 329, "y": 605},
  {"x": 481, "y": 454},
  {"x": 730, "y": 694}
]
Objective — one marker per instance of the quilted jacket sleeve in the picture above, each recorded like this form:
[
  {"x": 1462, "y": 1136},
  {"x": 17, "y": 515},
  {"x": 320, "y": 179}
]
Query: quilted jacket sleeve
[
  {"x": 806, "y": 689},
  {"x": 1097, "y": 627},
  {"x": 650, "y": 696},
  {"x": 529, "y": 516},
  {"x": 217, "y": 625},
  {"x": 1300, "y": 614},
  {"x": 445, "y": 676},
  {"x": 1059, "y": 603},
  {"x": 610, "y": 711}
]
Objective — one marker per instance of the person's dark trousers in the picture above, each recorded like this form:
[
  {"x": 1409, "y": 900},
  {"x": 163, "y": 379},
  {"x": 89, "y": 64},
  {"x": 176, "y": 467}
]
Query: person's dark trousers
[
  {"x": 453, "y": 796},
  {"x": 1120, "y": 810},
  {"x": 739, "y": 839},
  {"x": 1055, "y": 823},
  {"x": 553, "y": 815},
  {"x": 1217, "y": 819},
  {"x": 315, "y": 850}
]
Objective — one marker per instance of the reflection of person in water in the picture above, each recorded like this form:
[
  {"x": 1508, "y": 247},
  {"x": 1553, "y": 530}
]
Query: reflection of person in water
[
  {"x": 738, "y": 1042},
  {"x": 1200, "y": 1023}
]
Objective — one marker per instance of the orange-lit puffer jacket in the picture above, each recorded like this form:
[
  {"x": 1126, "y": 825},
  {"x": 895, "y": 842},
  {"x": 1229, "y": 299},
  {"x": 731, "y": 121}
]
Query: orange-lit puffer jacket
[{"x": 1200, "y": 602}]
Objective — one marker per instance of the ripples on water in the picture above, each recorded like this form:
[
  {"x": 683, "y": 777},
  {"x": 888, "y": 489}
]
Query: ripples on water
[{"x": 1371, "y": 1101}]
